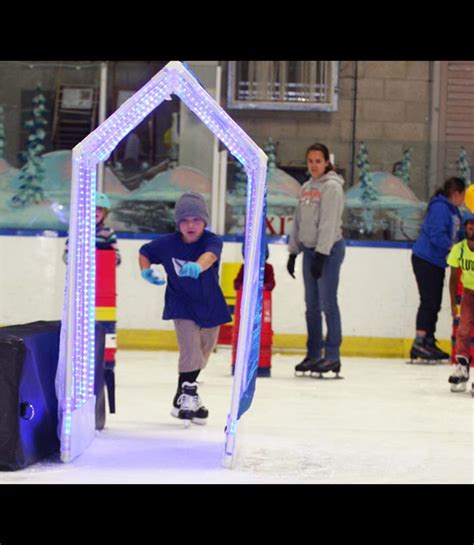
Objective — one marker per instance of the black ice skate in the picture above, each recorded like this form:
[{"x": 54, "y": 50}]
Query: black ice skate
[
  {"x": 324, "y": 366},
  {"x": 188, "y": 407},
  {"x": 460, "y": 376},
  {"x": 422, "y": 351},
  {"x": 435, "y": 349},
  {"x": 305, "y": 365}
]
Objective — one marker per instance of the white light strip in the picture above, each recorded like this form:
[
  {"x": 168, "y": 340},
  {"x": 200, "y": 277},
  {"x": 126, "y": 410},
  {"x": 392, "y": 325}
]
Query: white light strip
[{"x": 76, "y": 362}]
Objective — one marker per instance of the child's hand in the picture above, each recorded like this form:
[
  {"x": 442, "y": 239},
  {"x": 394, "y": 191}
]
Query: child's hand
[
  {"x": 148, "y": 275},
  {"x": 191, "y": 269}
]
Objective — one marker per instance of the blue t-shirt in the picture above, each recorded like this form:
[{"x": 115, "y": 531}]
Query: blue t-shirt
[{"x": 200, "y": 299}]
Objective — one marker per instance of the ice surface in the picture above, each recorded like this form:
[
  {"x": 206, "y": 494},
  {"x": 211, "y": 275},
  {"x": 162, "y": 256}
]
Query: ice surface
[{"x": 387, "y": 422}]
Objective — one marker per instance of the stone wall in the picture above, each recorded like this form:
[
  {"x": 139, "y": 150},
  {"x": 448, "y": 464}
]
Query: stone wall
[{"x": 393, "y": 112}]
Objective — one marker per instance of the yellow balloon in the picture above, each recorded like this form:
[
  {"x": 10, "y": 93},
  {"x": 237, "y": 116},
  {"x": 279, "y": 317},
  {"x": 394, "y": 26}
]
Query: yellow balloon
[{"x": 469, "y": 198}]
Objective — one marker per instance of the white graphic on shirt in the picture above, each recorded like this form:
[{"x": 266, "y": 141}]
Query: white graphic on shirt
[{"x": 178, "y": 264}]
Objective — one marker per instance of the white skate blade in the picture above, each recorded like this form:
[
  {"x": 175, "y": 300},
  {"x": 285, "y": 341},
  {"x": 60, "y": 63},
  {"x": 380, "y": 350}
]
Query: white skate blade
[
  {"x": 419, "y": 361},
  {"x": 321, "y": 376},
  {"x": 460, "y": 387},
  {"x": 175, "y": 413}
]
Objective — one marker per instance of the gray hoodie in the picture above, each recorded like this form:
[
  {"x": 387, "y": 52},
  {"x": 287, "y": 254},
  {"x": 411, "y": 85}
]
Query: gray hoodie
[{"x": 318, "y": 217}]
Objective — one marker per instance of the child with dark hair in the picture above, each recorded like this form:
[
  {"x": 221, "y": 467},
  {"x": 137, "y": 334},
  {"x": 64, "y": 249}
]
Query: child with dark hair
[
  {"x": 461, "y": 257},
  {"x": 193, "y": 298},
  {"x": 105, "y": 237},
  {"x": 440, "y": 230},
  {"x": 268, "y": 274}
]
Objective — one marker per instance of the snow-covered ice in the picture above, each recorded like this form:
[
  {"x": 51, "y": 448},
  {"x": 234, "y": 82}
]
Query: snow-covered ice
[{"x": 387, "y": 422}]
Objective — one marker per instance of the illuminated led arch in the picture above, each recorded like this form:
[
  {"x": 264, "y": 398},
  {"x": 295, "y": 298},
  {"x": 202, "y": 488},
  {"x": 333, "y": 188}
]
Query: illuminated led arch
[{"x": 75, "y": 377}]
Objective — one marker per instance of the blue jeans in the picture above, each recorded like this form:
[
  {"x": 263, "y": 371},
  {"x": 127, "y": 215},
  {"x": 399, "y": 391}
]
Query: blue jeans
[{"x": 321, "y": 296}]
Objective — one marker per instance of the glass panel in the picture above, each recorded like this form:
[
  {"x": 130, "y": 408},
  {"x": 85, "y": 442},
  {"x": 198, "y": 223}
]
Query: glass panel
[
  {"x": 34, "y": 174},
  {"x": 387, "y": 186},
  {"x": 185, "y": 164},
  {"x": 149, "y": 169},
  {"x": 143, "y": 176}
]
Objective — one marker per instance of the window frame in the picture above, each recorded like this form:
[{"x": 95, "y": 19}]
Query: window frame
[{"x": 238, "y": 104}]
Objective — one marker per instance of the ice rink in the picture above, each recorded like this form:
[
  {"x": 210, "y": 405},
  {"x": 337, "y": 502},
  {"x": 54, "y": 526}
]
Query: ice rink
[{"x": 386, "y": 422}]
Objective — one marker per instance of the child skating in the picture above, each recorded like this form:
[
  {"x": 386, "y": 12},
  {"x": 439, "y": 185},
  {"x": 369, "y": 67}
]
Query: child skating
[
  {"x": 462, "y": 256},
  {"x": 193, "y": 298}
]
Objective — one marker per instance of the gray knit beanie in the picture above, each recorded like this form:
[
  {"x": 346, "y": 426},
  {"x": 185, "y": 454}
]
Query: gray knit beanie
[{"x": 191, "y": 205}]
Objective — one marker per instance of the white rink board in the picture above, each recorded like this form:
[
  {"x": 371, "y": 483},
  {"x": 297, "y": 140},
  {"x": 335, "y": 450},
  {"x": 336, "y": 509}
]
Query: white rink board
[{"x": 377, "y": 294}]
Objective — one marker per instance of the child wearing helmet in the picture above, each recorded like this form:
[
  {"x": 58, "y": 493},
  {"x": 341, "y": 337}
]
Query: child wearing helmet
[
  {"x": 105, "y": 237},
  {"x": 462, "y": 256}
]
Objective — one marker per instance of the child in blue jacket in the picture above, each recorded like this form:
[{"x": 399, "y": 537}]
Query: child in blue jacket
[
  {"x": 440, "y": 230},
  {"x": 193, "y": 298}
]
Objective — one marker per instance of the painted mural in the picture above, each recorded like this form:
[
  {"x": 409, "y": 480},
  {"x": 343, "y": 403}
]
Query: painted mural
[{"x": 36, "y": 196}]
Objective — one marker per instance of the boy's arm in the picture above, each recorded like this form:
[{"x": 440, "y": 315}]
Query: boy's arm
[
  {"x": 453, "y": 288},
  {"x": 238, "y": 282},
  {"x": 269, "y": 277},
  {"x": 112, "y": 242},
  {"x": 143, "y": 262},
  {"x": 118, "y": 257},
  {"x": 147, "y": 273},
  {"x": 206, "y": 260}
]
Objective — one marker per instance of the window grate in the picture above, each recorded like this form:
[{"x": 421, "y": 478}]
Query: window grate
[{"x": 283, "y": 85}]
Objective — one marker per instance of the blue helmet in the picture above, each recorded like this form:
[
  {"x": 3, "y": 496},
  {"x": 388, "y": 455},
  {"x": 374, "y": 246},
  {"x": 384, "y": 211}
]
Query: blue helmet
[
  {"x": 102, "y": 201},
  {"x": 467, "y": 216}
]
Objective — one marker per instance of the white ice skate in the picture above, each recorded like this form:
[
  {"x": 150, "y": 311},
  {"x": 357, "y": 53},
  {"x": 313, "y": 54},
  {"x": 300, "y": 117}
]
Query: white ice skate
[
  {"x": 460, "y": 376},
  {"x": 190, "y": 408}
]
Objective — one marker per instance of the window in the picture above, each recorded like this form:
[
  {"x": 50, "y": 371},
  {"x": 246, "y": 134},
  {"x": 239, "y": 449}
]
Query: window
[
  {"x": 282, "y": 85},
  {"x": 77, "y": 98}
]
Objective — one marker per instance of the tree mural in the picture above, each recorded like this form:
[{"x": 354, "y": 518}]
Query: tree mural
[
  {"x": 369, "y": 194},
  {"x": 402, "y": 168},
  {"x": 2, "y": 134},
  {"x": 33, "y": 172},
  {"x": 270, "y": 150},
  {"x": 239, "y": 179}
]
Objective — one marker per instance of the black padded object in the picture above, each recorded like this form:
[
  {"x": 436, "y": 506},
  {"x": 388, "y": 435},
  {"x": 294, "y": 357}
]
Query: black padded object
[
  {"x": 28, "y": 402},
  {"x": 28, "y": 422},
  {"x": 99, "y": 386}
]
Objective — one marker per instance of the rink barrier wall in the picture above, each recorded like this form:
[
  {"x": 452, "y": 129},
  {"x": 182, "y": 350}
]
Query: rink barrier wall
[
  {"x": 370, "y": 347},
  {"x": 378, "y": 296}
]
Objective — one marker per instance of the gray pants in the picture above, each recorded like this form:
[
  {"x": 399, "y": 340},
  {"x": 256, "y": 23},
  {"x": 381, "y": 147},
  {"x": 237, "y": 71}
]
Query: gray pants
[{"x": 195, "y": 344}]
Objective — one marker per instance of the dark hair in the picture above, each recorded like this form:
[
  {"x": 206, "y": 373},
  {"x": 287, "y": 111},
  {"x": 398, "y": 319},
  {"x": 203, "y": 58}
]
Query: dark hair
[
  {"x": 324, "y": 150},
  {"x": 450, "y": 186}
]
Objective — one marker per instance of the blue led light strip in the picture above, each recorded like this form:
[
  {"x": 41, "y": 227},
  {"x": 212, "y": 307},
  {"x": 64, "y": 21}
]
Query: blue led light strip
[{"x": 76, "y": 361}]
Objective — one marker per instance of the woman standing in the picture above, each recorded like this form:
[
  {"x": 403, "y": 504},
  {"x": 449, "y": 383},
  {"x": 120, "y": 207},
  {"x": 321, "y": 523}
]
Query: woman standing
[
  {"x": 440, "y": 230},
  {"x": 317, "y": 232}
]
